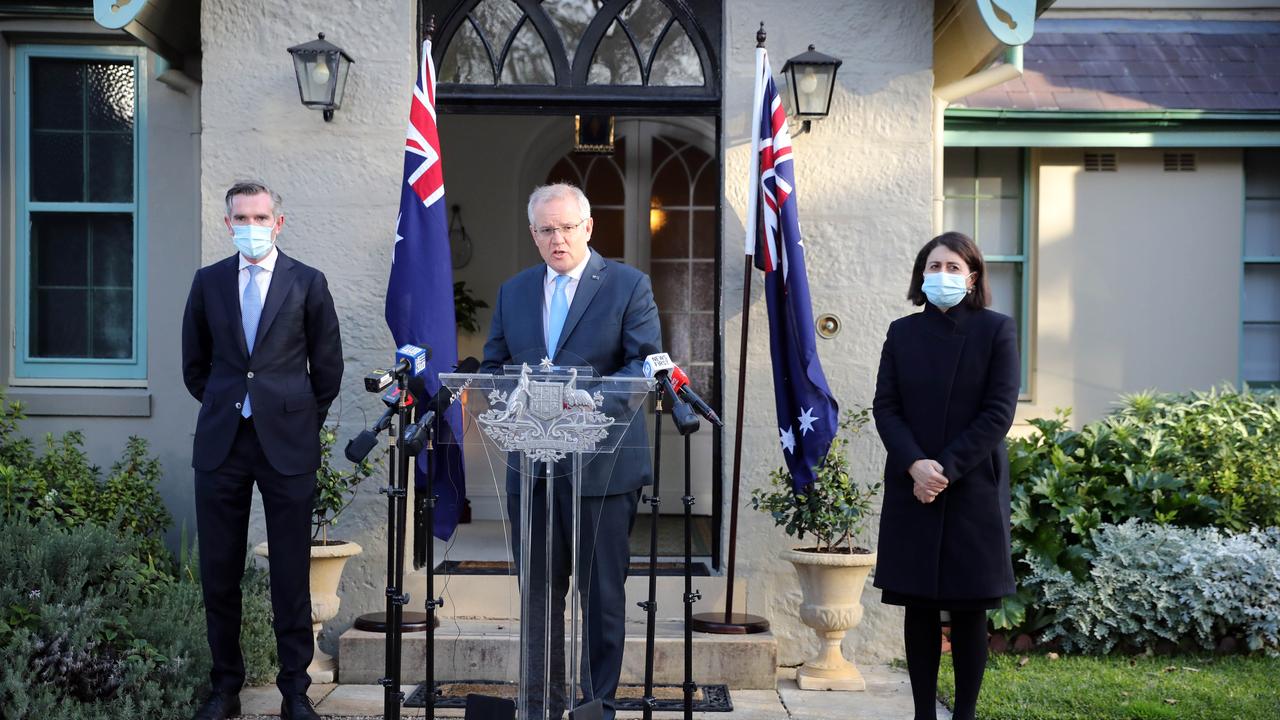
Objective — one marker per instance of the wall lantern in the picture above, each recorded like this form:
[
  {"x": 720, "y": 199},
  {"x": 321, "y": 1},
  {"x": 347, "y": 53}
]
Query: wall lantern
[
  {"x": 811, "y": 78},
  {"x": 321, "y": 68}
]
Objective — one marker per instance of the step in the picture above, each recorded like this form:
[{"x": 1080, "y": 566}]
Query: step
[{"x": 471, "y": 649}]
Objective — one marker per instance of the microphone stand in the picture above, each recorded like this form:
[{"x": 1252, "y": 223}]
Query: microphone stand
[
  {"x": 421, "y": 436},
  {"x": 396, "y": 493},
  {"x": 690, "y": 595},
  {"x": 650, "y": 606}
]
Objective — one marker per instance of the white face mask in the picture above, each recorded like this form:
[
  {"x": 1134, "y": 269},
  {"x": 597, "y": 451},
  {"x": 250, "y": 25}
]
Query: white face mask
[
  {"x": 945, "y": 289},
  {"x": 253, "y": 241}
]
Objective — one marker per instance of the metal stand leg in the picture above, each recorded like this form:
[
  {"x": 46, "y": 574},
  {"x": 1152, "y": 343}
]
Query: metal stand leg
[
  {"x": 397, "y": 495},
  {"x": 690, "y": 595},
  {"x": 650, "y": 606}
]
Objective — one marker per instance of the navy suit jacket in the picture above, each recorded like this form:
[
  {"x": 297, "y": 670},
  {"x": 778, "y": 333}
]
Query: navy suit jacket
[
  {"x": 291, "y": 378},
  {"x": 611, "y": 319}
]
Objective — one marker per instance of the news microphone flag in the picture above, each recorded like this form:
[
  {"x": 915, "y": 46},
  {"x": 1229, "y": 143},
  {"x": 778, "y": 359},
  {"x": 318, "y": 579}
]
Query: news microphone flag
[
  {"x": 808, "y": 415},
  {"x": 420, "y": 291}
]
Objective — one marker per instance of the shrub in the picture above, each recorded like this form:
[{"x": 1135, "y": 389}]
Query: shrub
[
  {"x": 1148, "y": 582},
  {"x": 1197, "y": 460}
]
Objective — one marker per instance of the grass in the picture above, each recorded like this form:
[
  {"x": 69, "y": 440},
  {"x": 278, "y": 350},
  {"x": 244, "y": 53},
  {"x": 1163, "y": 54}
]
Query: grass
[{"x": 1034, "y": 687}]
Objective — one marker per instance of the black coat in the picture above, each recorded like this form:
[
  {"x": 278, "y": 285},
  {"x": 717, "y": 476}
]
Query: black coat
[
  {"x": 947, "y": 390},
  {"x": 292, "y": 376}
]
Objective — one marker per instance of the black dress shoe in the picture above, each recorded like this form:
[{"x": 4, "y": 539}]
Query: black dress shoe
[
  {"x": 218, "y": 706},
  {"x": 297, "y": 707}
]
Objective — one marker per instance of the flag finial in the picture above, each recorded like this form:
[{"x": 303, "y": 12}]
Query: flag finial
[
  {"x": 760, "y": 35},
  {"x": 429, "y": 27}
]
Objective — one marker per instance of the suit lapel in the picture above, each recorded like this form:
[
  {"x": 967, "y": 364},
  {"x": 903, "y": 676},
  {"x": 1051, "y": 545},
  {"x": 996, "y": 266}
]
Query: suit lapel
[
  {"x": 281, "y": 280},
  {"x": 592, "y": 279},
  {"x": 229, "y": 282}
]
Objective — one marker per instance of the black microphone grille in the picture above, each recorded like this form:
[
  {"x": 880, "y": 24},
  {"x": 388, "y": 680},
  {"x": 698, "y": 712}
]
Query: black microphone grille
[{"x": 468, "y": 365}]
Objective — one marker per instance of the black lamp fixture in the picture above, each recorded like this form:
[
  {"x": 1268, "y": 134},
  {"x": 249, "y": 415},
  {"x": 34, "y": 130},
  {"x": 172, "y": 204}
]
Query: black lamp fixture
[
  {"x": 321, "y": 68},
  {"x": 811, "y": 79}
]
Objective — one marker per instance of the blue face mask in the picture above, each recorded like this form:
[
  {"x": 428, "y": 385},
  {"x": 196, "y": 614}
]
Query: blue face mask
[
  {"x": 945, "y": 289},
  {"x": 253, "y": 241}
]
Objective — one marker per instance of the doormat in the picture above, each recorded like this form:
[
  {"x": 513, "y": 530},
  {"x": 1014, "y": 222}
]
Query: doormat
[
  {"x": 670, "y": 698},
  {"x": 502, "y": 567}
]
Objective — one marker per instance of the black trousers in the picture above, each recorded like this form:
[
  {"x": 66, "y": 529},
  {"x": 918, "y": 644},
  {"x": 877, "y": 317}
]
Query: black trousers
[
  {"x": 604, "y": 554},
  {"x": 223, "y": 501}
]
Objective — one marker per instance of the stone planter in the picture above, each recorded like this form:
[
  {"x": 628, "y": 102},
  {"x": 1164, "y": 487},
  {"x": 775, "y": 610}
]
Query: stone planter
[
  {"x": 327, "y": 562},
  {"x": 831, "y": 587}
]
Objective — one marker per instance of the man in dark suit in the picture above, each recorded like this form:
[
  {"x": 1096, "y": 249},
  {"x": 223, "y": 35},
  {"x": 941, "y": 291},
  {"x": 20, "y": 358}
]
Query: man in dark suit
[
  {"x": 578, "y": 308},
  {"x": 262, "y": 354}
]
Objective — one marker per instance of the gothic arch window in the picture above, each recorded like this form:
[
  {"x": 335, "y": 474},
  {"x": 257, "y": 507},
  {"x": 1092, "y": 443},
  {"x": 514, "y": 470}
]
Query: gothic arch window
[{"x": 641, "y": 52}]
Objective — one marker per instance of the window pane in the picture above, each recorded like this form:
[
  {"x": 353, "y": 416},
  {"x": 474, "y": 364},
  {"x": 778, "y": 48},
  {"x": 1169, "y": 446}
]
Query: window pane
[
  {"x": 670, "y": 285},
  {"x": 112, "y": 324},
  {"x": 958, "y": 171},
  {"x": 677, "y": 63},
  {"x": 671, "y": 183},
  {"x": 999, "y": 172},
  {"x": 957, "y": 215},
  {"x": 702, "y": 375},
  {"x": 704, "y": 234},
  {"x": 702, "y": 338},
  {"x": 615, "y": 61},
  {"x": 497, "y": 19},
  {"x": 110, "y": 101},
  {"x": 1006, "y": 288},
  {"x": 1000, "y": 227},
  {"x": 645, "y": 19},
  {"x": 59, "y": 250},
  {"x": 528, "y": 62},
  {"x": 110, "y": 167},
  {"x": 1261, "y": 353},
  {"x": 669, "y": 232},
  {"x": 1262, "y": 228},
  {"x": 704, "y": 176},
  {"x": 57, "y": 94},
  {"x": 604, "y": 184},
  {"x": 1261, "y": 293},
  {"x": 607, "y": 234},
  {"x": 112, "y": 262},
  {"x": 675, "y": 334},
  {"x": 466, "y": 60},
  {"x": 1262, "y": 173},
  {"x": 571, "y": 18},
  {"x": 703, "y": 289},
  {"x": 59, "y": 324},
  {"x": 57, "y": 166}
]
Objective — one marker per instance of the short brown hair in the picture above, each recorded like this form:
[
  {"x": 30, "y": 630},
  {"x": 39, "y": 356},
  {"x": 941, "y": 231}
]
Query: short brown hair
[
  {"x": 253, "y": 187},
  {"x": 967, "y": 249}
]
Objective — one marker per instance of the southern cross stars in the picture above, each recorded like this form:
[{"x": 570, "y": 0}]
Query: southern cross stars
[
  {"x": 788, "y": 440},
  {"x": 788, "y": 436},
  {"x": 806, "y": 420}
]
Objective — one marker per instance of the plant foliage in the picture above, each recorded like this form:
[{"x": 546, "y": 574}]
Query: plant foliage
[
  {"x": 335, "y": 487},
  {"x": 836, "y": 508}
]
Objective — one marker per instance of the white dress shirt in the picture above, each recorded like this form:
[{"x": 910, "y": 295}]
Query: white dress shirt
[
  {"x": 549, "y": 289},
  {"x": 268, "y": 265}
]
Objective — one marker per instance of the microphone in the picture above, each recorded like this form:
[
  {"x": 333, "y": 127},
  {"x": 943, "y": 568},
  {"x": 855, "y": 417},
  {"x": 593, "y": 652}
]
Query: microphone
[
  {"x": 444, "y": 396},
  {"x": 358, "y": 447},
  {"x": 658, "y": 366},
  {"x": 378, "y": 380},
  {"x": 411, "y": 360},
  {"x": 681, "y": 383}
]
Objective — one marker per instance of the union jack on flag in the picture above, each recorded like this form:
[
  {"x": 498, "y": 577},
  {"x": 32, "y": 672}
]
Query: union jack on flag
[
  {"x": 420, "y": 291},
  {"x": 808, "y": 415}
]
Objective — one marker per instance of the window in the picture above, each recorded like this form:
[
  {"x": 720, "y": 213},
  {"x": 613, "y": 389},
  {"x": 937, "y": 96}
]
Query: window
[
  {"x": 984, "y": 197},
  {"x": 79, "y": 294},
  {"x": 1260, "y": 295}
]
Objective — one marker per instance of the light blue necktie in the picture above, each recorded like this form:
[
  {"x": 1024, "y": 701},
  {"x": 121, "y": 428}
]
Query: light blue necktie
[
  {"x": 559, "y": 311},
  {"x": 250, "y": 312}
]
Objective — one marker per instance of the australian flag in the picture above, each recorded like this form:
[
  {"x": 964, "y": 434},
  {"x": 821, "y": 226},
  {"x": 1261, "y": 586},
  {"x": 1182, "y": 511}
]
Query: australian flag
[
  {"x": 808, "y": 415},
  {"x": 420, "y": 291}
]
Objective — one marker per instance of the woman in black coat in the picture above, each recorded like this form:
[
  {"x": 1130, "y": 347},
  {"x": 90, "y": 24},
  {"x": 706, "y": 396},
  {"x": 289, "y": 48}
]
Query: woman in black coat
[{"x": 945, "y": 399}]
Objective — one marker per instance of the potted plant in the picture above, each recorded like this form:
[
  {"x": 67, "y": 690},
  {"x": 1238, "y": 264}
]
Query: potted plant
[
  {"x": 833, "y": 511},
  {"x": 335, "y": 489}
]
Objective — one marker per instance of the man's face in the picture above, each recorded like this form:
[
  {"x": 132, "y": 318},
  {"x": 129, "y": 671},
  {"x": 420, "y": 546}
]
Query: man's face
[
  {"x": 560, "y": 233},
  {"x": 254, "y": 210}
]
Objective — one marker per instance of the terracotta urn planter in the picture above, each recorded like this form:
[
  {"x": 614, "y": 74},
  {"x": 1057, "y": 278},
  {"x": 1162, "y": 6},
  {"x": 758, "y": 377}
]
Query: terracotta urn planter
[
  {"x": 831, "y": 589},
  {"x": 327, "y": 562}
]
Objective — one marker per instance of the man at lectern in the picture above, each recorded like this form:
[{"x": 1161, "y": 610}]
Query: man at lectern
[{"x": 577, "y": 307}]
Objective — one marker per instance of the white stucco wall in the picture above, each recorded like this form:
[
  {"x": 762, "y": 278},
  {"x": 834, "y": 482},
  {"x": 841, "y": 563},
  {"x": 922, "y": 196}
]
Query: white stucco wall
[{"x": 863, "y": 182}]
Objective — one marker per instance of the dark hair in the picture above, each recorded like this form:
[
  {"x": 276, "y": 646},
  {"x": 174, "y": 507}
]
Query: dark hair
[
  {"x": 962, "y": 245},
  {"x": 253, "y": 187}
]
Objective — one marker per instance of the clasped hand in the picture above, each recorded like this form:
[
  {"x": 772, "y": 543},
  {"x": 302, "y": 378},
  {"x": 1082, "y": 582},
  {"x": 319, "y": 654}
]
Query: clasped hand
[{"x": 928, "y": 479}]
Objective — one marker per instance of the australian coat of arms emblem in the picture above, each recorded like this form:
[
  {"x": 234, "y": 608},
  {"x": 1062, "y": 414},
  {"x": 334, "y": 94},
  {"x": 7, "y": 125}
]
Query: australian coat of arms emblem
[{"x": 546, "y": 419}]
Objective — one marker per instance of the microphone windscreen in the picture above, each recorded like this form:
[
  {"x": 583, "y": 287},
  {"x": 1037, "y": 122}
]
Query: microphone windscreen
[
  {"x": 468, "y": 365},
  {"x": 359, "y": 446}
]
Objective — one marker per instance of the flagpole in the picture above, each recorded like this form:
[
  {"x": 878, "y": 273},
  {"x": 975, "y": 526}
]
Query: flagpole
[{"x": 730, "y": 623}]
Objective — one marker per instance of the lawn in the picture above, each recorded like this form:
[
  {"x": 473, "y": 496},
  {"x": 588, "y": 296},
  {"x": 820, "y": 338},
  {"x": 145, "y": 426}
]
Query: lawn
[{"x": 1034, "y": 687}]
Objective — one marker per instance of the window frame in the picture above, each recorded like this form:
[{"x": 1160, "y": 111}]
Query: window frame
[
  {"x": 1022, "y": 259},
  {"x": 1247, "y": 261},
  {"x": 28, "y": 370}
]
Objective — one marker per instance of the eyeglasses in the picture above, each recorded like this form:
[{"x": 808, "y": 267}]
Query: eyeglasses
[{"x": 549, "y": 232}]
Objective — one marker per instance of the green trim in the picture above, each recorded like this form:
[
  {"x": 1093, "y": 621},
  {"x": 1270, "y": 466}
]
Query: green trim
[
  {"x": 1153, "y": 117},
  {"x": 966, "y": 127},
  {"x": 134, "y": 367}
]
